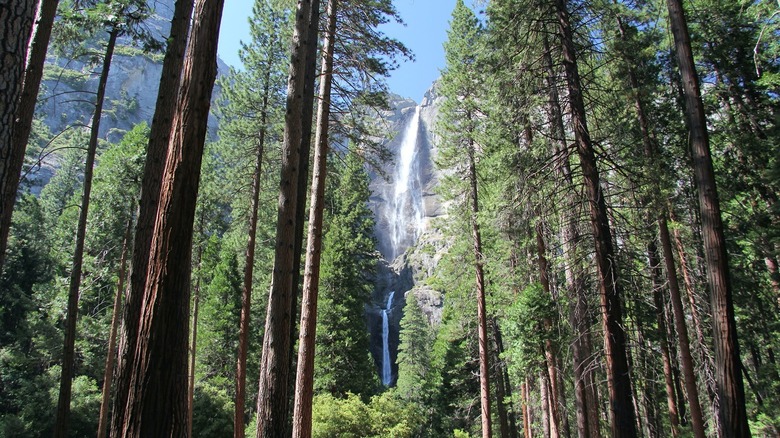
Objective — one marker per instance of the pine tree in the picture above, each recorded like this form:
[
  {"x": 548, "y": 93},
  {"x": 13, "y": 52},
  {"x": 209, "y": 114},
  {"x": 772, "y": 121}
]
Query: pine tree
[
  {"x": 415, "y": 373},
  {"x": 731, "y": 392},
  {"x": 343, "y": 364},
  {"x": 460, "y": 122}
]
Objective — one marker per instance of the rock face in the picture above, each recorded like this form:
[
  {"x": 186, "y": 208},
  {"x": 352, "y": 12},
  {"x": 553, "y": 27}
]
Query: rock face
[
  {"x": 405, "y": 204},
  {"x": 68, "y": 86}
]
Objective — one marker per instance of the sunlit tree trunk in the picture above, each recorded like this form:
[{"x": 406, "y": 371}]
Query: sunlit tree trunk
[
  {"x": 730, "y": 389},
  {"x": 652, "y": 154},
  {"x": 303, "y": 168},
  {"x": 156, "y": 152},
  {"x": 272, "y": 400},
  {"x": 21, "y": 66},
  {"x": 655, "y": 275},
  {"x": 526, "y": 409},
  {"x": 157, "y": 399},
  {"x": 304, "y": 382},
  {"x": 68, "y": 353},
  {"x": 551, "y": 360},
  {"x": 193, "y": 355},
  {"x": 484, "y": 369}
]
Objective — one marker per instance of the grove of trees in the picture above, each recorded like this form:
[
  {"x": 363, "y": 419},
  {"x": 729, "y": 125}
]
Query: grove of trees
[{"x": 608, "y": 257}]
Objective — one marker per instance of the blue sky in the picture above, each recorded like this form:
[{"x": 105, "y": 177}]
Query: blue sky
[{"x": 426, "y": 27}]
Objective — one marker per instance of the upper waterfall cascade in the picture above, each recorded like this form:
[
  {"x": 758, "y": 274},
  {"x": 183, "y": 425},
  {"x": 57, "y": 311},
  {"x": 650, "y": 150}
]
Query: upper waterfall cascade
[{"x": 405, "y": 212}]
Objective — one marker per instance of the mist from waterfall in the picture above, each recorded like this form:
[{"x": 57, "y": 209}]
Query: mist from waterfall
[
  {"x": 387, "y": 370},
  {"x": 405, "y": 212}
]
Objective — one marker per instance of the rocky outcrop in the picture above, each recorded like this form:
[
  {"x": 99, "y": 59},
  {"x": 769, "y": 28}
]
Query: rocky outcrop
[{"x": 68, "y": 87}]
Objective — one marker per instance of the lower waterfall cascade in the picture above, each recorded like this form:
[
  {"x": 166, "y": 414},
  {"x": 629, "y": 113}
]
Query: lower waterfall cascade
[{"x": 387, "y": 369}]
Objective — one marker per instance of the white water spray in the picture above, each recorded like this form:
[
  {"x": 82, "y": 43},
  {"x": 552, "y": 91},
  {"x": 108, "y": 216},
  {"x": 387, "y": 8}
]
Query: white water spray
[
  {"x": 405, "y": 212},
  {"x": 387, "y": 370}
]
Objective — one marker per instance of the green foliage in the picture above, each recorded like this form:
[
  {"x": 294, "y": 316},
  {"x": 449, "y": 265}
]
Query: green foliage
[
  {"x": 349, "y": 417},
  {"x": 212, "y": 412},
  {"x": 525, "y": 328},
  {"x": 342, "y": 362},
  {"x": 414, "y": 354}
]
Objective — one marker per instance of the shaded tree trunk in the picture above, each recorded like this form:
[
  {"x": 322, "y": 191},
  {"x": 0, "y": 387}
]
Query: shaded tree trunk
[
  {"x": 111, "y": 354},
  {"x": 652, "y": 154},
  {"x": 272, "y": 400},
  {"x": 730, "y": 389},
  {"x": 16, "y": 21},
  {"x": 304, "y": 387},
  {"x": 526, "y": 409},
  {"x": 551, "y": 360},
  {"x": 157, "y": 400},
  {"x": 688, "y": 368},
  {"x": 239, "y": 422},
  {"x": 587, "y": 411},
  {"x": 503, "y": 386},
  {"x": 193, "y": 354},
  {"x": 68, "y": 353},
  {"x": 619, "y": 382},
  {"x": 655, "y": 275},
  {"x": 156, "y": 152}
]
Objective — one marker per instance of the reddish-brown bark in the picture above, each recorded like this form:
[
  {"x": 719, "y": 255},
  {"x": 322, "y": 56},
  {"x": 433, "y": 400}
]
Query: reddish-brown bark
[
  {"x": 156, "y": 153},
  {"x": 157, "y": 399},
  {"x": 618, "y": 380},
  {"x": 108, "y": 371},
  {"x": 239, "y": 421},
  {"x": 304, "y": 384},
  {"x": 730, "y": 389},
  {"x": 16, "y": 80},
  {"x": 272, "y": 399}
]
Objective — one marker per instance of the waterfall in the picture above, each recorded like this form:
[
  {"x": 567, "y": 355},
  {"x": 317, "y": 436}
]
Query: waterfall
[
  {"x": 405, "y": 212},
  {"x": 387, "y": 369}
]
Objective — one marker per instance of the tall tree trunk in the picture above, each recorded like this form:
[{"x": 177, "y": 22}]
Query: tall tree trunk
[
  {"x": 619, "y": 382},
  {"x": 239, "y": 422},
  {"x": 551, "y": 360},
  {"x": 16, "y": 21},
  {"x": 652, "y": 154},
  {"x": 156, "y": 152},
  {"x": 644, "y": 386},
  {"x": 586, "y": 407},
  {"x": 157, "y": 400},
  {"x": 108, "y": 371},
  {"x": 304, "y": 387},
  {"x": 504, "y": 388},
  {"x": 303, "y": 171},
  {"x": 544, "y": 394},
  {"x": 658, "y": 301},
  {"x": 703, "y": 352},
  {"x": 526, "y": 409},
  {"x": 484, "y": 369},
  {"x": 272, "y": 400},
  {"x": 688, "y": 368},
  {"x": 193, "y": 352},
  {"x": 68, "y": 354},
  {"x": 731, "y": 391}
]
